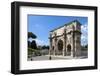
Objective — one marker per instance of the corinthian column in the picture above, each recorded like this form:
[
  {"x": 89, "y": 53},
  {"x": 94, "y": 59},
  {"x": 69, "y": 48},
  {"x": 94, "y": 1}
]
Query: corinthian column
[
  {"x": 64, "y": 43},
  {"x": 55, "y": 42},
  {"x": 50, "y": 49},
  {"x": 73, "y": 36}
]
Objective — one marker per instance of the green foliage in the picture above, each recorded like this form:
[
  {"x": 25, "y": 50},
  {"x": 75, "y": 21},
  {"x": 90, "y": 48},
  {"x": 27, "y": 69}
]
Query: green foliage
[
  {"x": 31, "y": 35},
  {"x": 33, "y": 44},
  {"x": 29, "y": 44},
  {"x": 35, "y": 51},
  {"x": 30, "y": 51},
  {"x": 84, "y": 48},
  {"x": 45, "y": 47}
]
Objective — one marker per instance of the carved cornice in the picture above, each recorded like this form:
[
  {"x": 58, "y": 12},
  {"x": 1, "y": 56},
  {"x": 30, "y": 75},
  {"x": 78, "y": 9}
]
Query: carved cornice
[{"x": 67, "y": 24}]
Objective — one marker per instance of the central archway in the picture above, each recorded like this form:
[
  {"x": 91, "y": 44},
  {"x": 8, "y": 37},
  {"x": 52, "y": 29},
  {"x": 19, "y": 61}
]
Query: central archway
[
  {"x": 60, "y": 47},
  {"x": 68, "y": 49}
]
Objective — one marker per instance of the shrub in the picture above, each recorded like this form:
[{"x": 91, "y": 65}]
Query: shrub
[{"x": 31, "y": 51}]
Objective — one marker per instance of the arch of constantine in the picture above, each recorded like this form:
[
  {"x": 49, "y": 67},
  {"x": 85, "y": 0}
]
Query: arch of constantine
[{"x": 66, "y": 40}]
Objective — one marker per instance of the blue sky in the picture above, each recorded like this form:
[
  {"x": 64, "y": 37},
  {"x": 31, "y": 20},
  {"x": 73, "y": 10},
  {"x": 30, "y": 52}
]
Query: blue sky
[{"x": 41, "y": 25}]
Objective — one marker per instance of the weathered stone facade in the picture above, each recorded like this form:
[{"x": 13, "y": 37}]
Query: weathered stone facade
[{"x": 66, "y": 40}]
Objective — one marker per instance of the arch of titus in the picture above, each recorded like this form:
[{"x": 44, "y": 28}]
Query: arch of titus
[{"x": 66, "y": 40}]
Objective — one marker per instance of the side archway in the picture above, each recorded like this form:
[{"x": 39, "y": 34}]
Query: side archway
[{"x": 68, "y": 49}]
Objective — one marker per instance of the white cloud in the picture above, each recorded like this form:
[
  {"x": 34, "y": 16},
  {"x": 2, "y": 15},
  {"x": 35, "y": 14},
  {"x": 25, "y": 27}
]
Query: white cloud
[
  {"x": 39, "y": 27},
  {"x": 40, "y": 42},
  {"x": 84, "y": 36},
  {"x": 84, "y": 28}
]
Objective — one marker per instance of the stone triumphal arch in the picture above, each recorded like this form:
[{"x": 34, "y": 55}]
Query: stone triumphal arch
[{"x": 66, "y": 40}]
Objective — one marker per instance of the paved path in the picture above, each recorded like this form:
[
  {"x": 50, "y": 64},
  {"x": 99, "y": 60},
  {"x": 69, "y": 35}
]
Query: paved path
[
  {"x": 46, "y": 57},
  {"x": 84, "y": 54}
]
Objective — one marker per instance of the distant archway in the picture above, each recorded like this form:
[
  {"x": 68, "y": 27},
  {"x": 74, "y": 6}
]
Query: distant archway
[{"x": 68, "y": 49}]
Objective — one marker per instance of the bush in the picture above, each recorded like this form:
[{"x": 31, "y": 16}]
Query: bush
[
  {"x": 36, "y": 52},
  {"x": 33, "y": 44},
  {"x": 30, "y": 51}
]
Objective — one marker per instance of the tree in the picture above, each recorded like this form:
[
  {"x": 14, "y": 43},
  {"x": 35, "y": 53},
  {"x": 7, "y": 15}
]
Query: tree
[
  {"x": 31, "y": 35},
  {"x": 33, "y": 44},
  {"x": 29, "y": 44},
  {"x": 86, "y": 46},
  {"x": 45, "y": 47}
]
